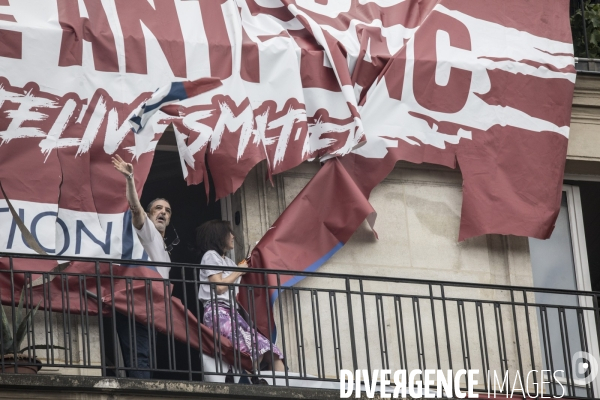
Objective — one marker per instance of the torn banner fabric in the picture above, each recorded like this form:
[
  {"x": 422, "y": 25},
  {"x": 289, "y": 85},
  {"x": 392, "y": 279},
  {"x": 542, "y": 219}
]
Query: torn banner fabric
[
  {"x": 486, "y": 83},
  {"x": 319, "y": 221}
]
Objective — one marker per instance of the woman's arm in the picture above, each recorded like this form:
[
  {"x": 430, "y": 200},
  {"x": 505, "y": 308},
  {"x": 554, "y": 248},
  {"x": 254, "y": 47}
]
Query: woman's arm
[{"x": 218, "y": 278}]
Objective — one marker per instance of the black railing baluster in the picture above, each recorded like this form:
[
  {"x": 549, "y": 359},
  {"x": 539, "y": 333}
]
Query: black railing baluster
[
  {"x": 462, "y": 325},
  {"x": 400, "y": 332},
  {"x": 131, "y": 326},
  {"x": 418, "y": 333},
  {"x": 147, "y": 289},
  {"x": 317, "y": 333},
  {"x": 30, "y": 324},
  {"x": 187, "y": 326},
  {"x": 500, "y": 334},
  {"x": 86, "y": 314},
  {"x": 297, "y": 330},
  {"x": 516, "y": 329},
  {"x": 385, "y": 361},
  {"x": 596, "y": 313},
  {"x": 254, "y": 329},
  {"x": 66, "y": 342},
  {"x": 351, "y": 325},
  {"x": 564, "y": 338},
  {"x": 69, "y": 322},
  {"x": 335, "y": 334},
  {"x": 282, "y": 328},
  {"x": 234, "y": 325},
  {"x": 2, "y": 349},
  {"x": 435, "y": 338},
  {"x": 530, "y": 339},
  {"x": 100, "y": 319},
  {"x": 13, "y": 310},
  {"x": 153, "y": 325},
  {"x": 82, "y": 298},
  {"x": 48, "y": 318},
  {"x": 379, "y": 334},
  {"x": 216, "y": 328},
  {"x": 300, "y": 329},
  {"x": 27, "y": 306},
  {"x": 446, "y": 326},
  {"x": 170, "y": 324},
  {"x": 199, "y": 322},
  {"x": 547, "y": 347},
  {"x": 584, "y": 346},
  {"x": 113, "y": 321},
  {"x": 269, "y": 325},
  {"x": 364, "y": 318},
  {"x": 485, "y": 364}
]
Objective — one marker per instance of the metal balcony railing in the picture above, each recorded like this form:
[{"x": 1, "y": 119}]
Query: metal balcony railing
[{"x": 325, "y": 323}]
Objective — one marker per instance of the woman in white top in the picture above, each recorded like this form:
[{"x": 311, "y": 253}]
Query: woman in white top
[{"x": 214, "y": 239}]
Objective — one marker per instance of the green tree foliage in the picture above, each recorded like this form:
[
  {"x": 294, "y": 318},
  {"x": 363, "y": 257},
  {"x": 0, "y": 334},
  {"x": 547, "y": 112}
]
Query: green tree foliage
[{"x": 592, "y": 22}]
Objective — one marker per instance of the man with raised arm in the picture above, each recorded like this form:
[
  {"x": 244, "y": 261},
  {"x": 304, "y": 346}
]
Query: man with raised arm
[{"x": 150, "y": 227}]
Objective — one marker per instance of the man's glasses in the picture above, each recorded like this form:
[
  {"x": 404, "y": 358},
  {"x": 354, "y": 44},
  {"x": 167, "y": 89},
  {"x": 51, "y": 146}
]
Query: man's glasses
[{"x": 175, "y": 242}]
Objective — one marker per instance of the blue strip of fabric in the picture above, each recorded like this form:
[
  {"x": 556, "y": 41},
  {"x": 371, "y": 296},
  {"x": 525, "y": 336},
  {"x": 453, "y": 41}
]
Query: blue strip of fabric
[
  {"x": 127, "y": 237},
  {"x": 311, "y": 268},
  {"x": 127, "y": 243},
  {"x": 138, "y": 121},
  {"x": 177, "y": 92}
]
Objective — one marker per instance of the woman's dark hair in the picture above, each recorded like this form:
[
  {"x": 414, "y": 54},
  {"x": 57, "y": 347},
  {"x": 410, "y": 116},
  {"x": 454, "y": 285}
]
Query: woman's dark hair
[{"x": 213, "y": 235}]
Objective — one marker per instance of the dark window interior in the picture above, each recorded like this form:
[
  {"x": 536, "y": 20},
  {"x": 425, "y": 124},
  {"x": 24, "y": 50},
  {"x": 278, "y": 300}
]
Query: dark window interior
[
  {"x": 590, "y": 204},
  {"x": 190, "y": 209},
  {"x": 188, "y": 203}
]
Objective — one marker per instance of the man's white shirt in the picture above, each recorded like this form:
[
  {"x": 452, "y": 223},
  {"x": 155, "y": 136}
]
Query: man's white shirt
[{"x": 153, "y": 243}]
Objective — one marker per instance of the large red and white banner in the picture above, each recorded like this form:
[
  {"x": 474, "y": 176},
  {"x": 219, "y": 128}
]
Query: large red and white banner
[{"x": 486, "y": 84}]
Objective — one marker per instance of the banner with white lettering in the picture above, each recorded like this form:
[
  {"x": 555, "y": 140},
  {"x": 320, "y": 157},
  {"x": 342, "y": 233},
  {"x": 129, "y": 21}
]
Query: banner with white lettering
[{"x": 486, "y": 84}]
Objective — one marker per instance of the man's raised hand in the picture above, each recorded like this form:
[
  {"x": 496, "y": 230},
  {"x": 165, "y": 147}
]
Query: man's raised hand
[
  {"x": 121, "y": 166},
  {"x": 132, "y": 198}
]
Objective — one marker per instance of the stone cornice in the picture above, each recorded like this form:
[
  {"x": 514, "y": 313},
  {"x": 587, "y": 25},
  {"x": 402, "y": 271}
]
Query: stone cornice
[{"x": 51, "y": 386}]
